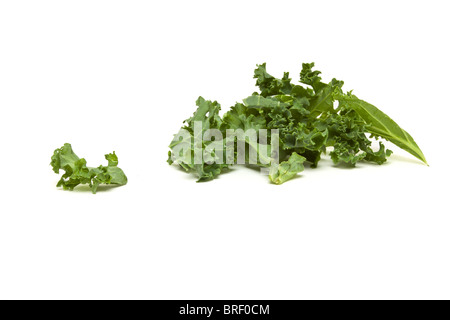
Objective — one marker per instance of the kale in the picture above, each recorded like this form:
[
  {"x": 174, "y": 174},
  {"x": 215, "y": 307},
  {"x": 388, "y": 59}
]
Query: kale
[
  {"x": 305, "y": 119},
  {"x": 76, "y": 171}
]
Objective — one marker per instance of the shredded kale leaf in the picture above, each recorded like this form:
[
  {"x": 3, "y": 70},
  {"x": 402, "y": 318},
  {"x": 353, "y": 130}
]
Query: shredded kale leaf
[
  {"x": 76, "y": 171},
  {"x": 309, "y": 118}
]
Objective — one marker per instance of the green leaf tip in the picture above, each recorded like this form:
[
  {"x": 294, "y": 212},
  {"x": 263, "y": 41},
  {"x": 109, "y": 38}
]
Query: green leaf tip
[{"x": 380, "y": 124}]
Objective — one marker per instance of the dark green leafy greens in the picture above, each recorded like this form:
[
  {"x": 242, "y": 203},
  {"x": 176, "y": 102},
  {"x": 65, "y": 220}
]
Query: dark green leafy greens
[
  {"x": 76, "y": 171},
  {"x": 310, "y": 117}
]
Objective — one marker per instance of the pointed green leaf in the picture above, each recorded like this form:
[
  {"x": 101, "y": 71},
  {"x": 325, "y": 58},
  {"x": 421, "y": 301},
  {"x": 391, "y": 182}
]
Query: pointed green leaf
[{"x": 380, "y": 124}]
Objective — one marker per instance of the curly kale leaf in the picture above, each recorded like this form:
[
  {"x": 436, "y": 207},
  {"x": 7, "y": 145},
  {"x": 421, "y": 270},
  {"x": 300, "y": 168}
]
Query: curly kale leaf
[
  {"x": 347, "y": 136},
  {"x": 323, "y": 98},
  {"x": 76, "y": 172},
  {"x": 188, "y": 143},
  {"x": 269, "y": 85}
]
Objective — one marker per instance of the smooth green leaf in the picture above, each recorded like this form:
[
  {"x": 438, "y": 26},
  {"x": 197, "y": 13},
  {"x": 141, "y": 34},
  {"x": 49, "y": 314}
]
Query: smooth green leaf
[{"x": 380, "y": 124}]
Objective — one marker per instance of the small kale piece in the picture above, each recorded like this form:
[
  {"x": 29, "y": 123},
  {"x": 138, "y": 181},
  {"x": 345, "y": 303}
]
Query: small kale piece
[
  {"x": 76, "y": 171},
  {"x": 287, "y": 169}
]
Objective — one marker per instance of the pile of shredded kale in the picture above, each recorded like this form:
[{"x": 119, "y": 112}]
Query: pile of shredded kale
[{"x": 309, "y": 118}]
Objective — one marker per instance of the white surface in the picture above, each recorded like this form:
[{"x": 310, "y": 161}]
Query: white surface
[{"x": 123, "y": 75}]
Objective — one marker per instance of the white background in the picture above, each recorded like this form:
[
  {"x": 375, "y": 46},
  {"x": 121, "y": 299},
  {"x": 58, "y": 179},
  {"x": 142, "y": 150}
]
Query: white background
[{"x": 123, "y": 75}]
